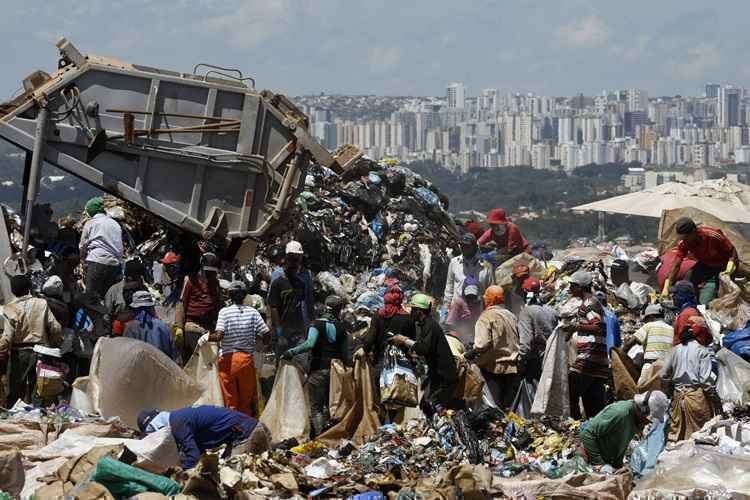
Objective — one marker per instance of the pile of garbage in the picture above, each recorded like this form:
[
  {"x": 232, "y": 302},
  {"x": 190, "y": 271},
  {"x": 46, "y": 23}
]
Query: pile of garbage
[{"x": 377, "y": 219}]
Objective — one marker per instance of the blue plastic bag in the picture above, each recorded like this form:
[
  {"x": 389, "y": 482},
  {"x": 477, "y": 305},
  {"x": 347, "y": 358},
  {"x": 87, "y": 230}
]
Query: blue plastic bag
[
  {"x": 427, "y": 196},
  {"x": 614, "y": 338},
  {"x": 739, "y": 341},
  {"x": 643, "y": 459}
]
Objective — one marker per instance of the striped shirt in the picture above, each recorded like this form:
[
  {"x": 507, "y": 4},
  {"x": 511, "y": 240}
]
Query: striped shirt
[
  {"x": 241, "y": 325},
  {"x": 656, "y": 337},
  {"x": 592, "y": 357}
]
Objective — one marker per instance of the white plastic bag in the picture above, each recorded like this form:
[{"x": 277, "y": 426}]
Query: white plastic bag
[
  {"x": 733, "y": 383},
  {"x": 128, "y": 376},
  {"x": 552, "y": 396},
  {"x": 287, "y": 412},
  {"x": 203, "y": 368}
]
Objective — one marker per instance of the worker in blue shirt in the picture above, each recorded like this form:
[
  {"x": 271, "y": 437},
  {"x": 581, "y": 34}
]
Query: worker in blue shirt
[{"x": 202, "y": 428}]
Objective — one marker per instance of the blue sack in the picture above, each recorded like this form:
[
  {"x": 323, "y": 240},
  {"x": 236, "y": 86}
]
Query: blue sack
[
  {"x": 614, "y": 338},
  {"x": 427, "y": 196},
  {"x": 741, "y": 335},
  {"x": 643, "y": 459}
]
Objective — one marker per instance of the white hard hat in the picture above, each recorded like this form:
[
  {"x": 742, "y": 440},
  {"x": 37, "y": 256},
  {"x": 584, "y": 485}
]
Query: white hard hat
[{"x": 294, "y": 247}]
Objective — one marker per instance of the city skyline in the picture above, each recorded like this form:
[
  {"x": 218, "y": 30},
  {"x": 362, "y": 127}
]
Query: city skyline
[{"x": 395, "y": 48}]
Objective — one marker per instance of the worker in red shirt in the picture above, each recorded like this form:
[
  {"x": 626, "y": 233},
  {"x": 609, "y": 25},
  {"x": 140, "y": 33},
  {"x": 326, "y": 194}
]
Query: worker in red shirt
[
  {"x": 505, "y": 235},
  {"x": 710, "y": 247}
]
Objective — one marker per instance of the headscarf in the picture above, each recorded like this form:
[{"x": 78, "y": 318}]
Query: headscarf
[
  {"x": 684, "y": 299},
  {"x": 394, "y": 299},
  {"x": 94, "y": 206}
]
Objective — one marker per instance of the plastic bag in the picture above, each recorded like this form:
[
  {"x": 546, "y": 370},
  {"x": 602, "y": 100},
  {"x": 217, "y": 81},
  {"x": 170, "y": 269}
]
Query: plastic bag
[
  {"x": 733, "y": 383},
  {"x": 332, "y": 284},
  {"x": 739, "y": 342},
  {"x": 729, "y": 308},
  {"x": 552, "y": 396},
  {"x": 128, "y": 375},
  {"x": 398, "y": 382},
  {"x": 524, "y": 398},
  {"x": 203, "y": 368},
  {"x": 643, "y": 459},
  {"x": 125, "y": 481},
  {"x": 341, "y": 395},
  {"x": 287, "y": 412}
]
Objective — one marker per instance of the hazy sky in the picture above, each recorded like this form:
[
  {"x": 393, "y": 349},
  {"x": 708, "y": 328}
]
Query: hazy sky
[{"x": 404, "y": 47}]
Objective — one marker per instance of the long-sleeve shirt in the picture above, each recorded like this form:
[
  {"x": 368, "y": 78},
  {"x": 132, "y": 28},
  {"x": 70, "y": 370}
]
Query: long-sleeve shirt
[
  {"x": 606, "y": 436},
  {"x": 535, "y": 325},
  {"x": 312, "y": 338},
  {"x": 101, "y": 240},
  {"x": 712, "y": 248},
  {"x": 28, "y": 321},
  {"x": 496, "y": 341},
  {"x": 689, "y": 365},
  {"x": 154, "y": 332},
  {"x": 459, "y": 268},
  {"x": 432, "y": 345},
  {"x": 204, "y": 427}
]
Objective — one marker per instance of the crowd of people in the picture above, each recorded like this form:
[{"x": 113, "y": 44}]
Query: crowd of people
[{"x": 502, "y": 329}]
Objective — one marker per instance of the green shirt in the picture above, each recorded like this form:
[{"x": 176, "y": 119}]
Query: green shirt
[{"x": 607, "y": 435}]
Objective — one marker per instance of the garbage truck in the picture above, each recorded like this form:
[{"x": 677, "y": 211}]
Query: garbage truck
[{"x": 204, "y": 151}]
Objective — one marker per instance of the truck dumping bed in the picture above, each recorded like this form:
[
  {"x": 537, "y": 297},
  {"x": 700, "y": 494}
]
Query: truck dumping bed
[{"x": 205, "y": 152}]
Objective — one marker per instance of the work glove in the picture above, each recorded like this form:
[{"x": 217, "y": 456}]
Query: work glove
[
  {"x": 665, "y": 290},
  {"x": 288, "y": 355},
  {"x": 731, "y": 266},
  {"x": 179, "y": 335},
  {"x": 203, "y": 340}
]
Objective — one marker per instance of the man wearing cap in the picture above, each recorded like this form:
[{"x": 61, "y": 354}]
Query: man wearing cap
[
  {"x": 442, "y": 374},
  {"x": 238, "y": 328},
  {"x": 504, "y": 234},
  {"x": 27, "y": 321},
  {"x": 606, "y": 437},
  {"x": 52, "y": 290},
  {"x": 496, "y": 347},
  {"x": 714, "y": 252},
  {"x": 328, "y": 339},
  {"x": 199, "y": 305},
  {"x": 464, "y": 311},
  {"x": 202, "y": 428},
  {"x": 516, "y": 297},
  {"x": 655, "y": 336},
  {"x": 286, "y": 300},
  {"x": 119, "y": 296},
  {"x": 101, "y": 248},
  {"x": 146, "y": 327},
  {"x": 536, "y": 322},
  {"x": 468, "y": 264},
  {"x": 590, "y": 371}
]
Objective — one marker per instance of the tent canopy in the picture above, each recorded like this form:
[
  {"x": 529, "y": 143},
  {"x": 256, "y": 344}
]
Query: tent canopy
[{"x": 727, "y": 200}]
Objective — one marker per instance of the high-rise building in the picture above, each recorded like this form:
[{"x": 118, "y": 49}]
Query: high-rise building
[
  {"x": 488, "y": 100},
  {"x": 455, "y": 94},
  {"x": 712, "y": 90},
  {"x": 729, "y": 106},
  {"x": 637, "y": 99}
]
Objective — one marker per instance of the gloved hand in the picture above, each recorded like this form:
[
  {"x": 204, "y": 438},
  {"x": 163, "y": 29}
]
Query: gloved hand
[
  {"x": 203, "y": 340},
  {"x": 288, "y": 355},
  {"x": 731, "y": 266},
  {"x": 665, "y": 290},
  {"x": 179, "y": 335},
  {"x": 470, "y": 355},
  {"x": 279, "y": 331}
]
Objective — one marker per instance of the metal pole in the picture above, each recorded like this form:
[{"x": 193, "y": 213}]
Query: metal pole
[{"x": 36, "y": 167}]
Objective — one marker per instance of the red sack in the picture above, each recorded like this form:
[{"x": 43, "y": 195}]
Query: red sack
[{"x": 667, "y": 260}]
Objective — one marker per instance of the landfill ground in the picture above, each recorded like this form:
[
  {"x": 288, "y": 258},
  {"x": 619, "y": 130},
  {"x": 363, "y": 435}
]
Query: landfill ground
[{"x": 377, "y": 221}]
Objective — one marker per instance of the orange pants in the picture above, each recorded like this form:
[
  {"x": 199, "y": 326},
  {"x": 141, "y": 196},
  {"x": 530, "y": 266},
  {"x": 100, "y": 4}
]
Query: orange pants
[{"x": 238, "y": 382}]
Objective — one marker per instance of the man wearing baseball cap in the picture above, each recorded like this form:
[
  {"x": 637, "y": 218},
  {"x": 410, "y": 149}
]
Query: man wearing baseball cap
[
  {"x": 467, "y": 264},
  {"x": 714, "y": 252},
  {"x": 504, "y": 234},
  {"x": 536, "y": 322},
  {"x": 286, "y": 300}
]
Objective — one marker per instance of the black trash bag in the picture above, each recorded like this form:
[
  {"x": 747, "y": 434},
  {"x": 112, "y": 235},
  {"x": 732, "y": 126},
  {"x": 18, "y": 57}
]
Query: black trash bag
[{"x": 524, "y": 398}]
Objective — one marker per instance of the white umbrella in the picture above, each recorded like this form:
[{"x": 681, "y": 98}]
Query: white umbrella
[{"x": 726, "y": 200}]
